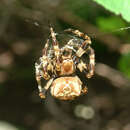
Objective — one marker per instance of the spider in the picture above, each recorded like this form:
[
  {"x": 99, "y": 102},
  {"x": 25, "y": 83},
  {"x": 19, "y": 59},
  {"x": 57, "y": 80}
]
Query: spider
[{"x": 58, "y": 66}]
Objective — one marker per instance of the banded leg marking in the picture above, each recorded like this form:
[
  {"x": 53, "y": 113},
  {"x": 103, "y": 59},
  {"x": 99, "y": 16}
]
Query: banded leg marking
[
  {"x": 38, "y": 76},
  {"x": 87, "y": 69},
  {"x": 42, "y": 93},
  {"x": 84, "y": 45},
  {"x": 56, "y": 49},
  {"x": 45, "y": 61},
  {"x": 91, "y": 66}
]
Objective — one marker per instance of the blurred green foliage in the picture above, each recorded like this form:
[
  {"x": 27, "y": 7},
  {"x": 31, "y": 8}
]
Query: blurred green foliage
[
  {"x": 110, "y": 23},
  {"x": 124, "y": 64},
  {"x": 117, "y": 6}
]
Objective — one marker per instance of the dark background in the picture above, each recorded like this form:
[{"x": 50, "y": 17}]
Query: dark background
[{"x": 24, "y": 28}]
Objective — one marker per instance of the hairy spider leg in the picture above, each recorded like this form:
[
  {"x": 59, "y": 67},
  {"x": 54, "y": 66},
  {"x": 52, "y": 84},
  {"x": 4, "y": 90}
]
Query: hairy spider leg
[
  {"x": 84, "y": 48},
  {"x": 42, "y": 72},
  {"x": 45, "y": 61},
  {"x": 56, "y": 49},
  {"x": 84, "y": 45},
  {"x": 83, "y": 67},
  {"x": 79, "y": 34},
  {"x": 42, "y": 94},
  {"x": 38, "y": 78},
  {"x": 91, "y": 65},
  {"x": 44, "y": 50}
]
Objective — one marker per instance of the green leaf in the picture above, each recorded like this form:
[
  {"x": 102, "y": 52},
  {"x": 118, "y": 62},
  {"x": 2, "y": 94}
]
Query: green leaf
[{"x": 119, "y": 7}]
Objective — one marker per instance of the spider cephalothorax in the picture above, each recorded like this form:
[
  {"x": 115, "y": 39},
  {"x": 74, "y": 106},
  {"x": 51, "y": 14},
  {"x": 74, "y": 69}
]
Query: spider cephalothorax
[{"x": 58, "y": 66}]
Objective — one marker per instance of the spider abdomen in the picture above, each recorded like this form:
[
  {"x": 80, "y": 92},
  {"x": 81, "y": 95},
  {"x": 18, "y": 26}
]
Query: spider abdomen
[{"x": 66, "y": 88}]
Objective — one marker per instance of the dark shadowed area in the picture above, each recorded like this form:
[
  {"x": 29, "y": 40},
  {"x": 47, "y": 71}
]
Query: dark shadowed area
[{"x": 24, "y": 28}]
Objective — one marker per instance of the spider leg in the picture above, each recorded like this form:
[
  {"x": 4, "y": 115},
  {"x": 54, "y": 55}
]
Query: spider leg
[
  {"x": 79, "y": 34},
  {"x": 44, "y": 50},
  {"x": 42, "y": 70},
  {"x": 84, "y": 45},
  {"x": 84, "y": 90},
  {"x": 84, "y": 48},
  {"x": 84, "y": 87},
  {"x": 83, "y": 67},
  {"x": 39, "y": 76},
  {"x": 42, "y": 93},
  {"x": 91, "y": 65},
  {"x": 45, "y": 61},
  {"x": 56, "y": 49}
]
